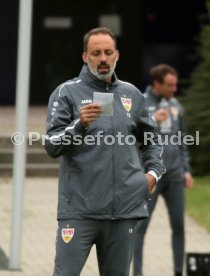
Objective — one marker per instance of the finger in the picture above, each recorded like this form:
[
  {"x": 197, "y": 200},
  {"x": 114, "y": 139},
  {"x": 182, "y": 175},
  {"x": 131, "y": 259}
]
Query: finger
[
  {"x": 91, "y": 110},
  {"x": 91, "y": 115},
  {"x": 90, "y": 106}
]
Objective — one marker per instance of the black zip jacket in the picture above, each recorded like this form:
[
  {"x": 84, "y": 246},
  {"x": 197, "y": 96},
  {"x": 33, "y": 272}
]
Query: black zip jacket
[{"x": 101, "y": 181}]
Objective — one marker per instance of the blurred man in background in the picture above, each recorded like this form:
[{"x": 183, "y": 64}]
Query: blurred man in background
[{"x": 168, "y": 113}]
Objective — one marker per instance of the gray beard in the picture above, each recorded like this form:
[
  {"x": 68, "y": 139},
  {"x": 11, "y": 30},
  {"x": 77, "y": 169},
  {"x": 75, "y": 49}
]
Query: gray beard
[{"x": 103, "y": 77}]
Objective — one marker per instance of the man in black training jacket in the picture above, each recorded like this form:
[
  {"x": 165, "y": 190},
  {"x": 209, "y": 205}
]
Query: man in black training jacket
[{"x": 103, "y": 188}]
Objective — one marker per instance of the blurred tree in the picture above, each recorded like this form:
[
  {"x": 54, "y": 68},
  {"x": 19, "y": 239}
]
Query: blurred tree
[{"x": 197, "y": 103}]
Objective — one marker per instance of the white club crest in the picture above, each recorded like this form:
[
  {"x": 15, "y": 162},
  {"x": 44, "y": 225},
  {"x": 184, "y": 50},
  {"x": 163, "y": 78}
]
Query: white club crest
[
  {"x": 127, "y": 103},
  {"x": 67, "y": 234}
]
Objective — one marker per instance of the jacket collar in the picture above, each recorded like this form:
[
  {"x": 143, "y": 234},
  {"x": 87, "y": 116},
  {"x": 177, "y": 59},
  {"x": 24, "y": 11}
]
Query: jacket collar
[
  {"x": 88, "y": 77},
  {"x": 150, "y": 92}
]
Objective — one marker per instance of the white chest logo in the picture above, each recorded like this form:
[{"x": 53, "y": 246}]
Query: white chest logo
[
  {"x": 87, "y": 101},
  {"x": 151, "y": 108}
]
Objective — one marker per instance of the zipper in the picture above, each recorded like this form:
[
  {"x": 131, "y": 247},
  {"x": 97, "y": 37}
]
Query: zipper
[
  {"x": 113, "y": 182},
  {"x": 113, "y": 169}
]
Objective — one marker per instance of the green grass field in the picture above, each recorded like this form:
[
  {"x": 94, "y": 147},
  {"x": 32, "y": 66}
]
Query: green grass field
[{"x": 198, "y": 201}]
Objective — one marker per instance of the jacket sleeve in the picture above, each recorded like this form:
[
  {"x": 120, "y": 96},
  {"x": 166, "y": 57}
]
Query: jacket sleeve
[
  {"x": 183, "y": 148},
  {"x": 150, "y": 142},
  {"x": 62, "y": 128}
]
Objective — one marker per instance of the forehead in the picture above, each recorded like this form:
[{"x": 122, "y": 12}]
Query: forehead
[
  {"x": 100, "y": 41},
  {"x": 170, "y": 78}
]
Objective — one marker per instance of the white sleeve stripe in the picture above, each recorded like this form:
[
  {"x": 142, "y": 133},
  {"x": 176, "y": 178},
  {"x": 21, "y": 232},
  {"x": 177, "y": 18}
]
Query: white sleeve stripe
[
  {"x": 161, "y": 161},
  {"x": 67, "y": 83},
  {"x": 126, "y": 83},
  {"x": 47, "y": 137},
  {"x": 71, "y": 127},
  {"x": 152, "y": 172},
  {"x": 62, "y": 133}
]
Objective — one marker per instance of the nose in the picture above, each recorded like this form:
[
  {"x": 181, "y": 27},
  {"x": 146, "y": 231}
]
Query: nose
[{"x": 103, "y": 57}]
